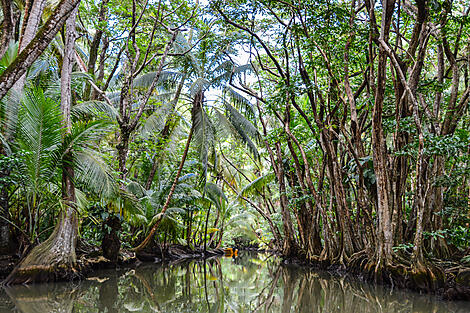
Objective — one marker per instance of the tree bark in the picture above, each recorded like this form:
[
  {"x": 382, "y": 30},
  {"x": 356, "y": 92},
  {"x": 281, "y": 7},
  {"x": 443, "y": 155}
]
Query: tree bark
[
  {"x": 55, "y": 258},
  {"x": 290, "y": 247},
  {"x": 7, "y": 27},
  {"x": 95, "y": 44},
  {"x": 147, "y": 239},
  {"x": 384, "y": 226},
  {"x": 36, "y": 47},
  {"x": 33, "y": 19}
]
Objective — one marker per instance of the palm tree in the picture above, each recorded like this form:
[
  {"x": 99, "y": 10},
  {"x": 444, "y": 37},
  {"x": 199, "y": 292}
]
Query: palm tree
[
  {"x": 204, "y": 73},
  {"x": 53, "y": 150}
]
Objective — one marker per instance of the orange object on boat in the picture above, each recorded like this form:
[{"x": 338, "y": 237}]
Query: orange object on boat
[{"x": 229, "y": 252}]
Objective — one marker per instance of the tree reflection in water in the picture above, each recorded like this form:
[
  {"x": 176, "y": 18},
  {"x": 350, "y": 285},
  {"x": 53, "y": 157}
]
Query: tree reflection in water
[{"x": 251, "y": 283}]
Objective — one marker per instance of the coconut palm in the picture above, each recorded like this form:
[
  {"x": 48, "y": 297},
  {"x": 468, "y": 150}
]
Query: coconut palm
[{"x": 207, "y": 68}]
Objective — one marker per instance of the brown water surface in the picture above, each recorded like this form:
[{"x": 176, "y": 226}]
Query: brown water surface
[{"x": 250, "y": 283}]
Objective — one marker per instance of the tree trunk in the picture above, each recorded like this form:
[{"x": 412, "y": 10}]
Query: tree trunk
[
  {"x": 95, "y": 45},
  {"x": 7, "y": 27},
  {"x": 36, "y": 47},
  {"x": 5, "y": 235},
  {"x": 55, "y": 258},
  {"x": 33, "y": 19},
  {"x": 290, "y": 247},
  {"x": 147, "y": 239}
]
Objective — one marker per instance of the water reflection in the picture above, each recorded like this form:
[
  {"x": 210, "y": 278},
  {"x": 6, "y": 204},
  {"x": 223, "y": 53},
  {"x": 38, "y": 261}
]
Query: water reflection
[{"x": 248, "y": 284}]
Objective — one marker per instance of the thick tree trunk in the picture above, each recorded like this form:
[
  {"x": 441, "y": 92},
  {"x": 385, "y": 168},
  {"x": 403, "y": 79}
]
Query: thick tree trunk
[
  {"x": 290, "y": 247},
  {"x": 384, "y": 212},
  {"x": 36, "y": 47},
  {"x": 55, "y": 258},
  {"x": 8, "y": 27},
  {"x": 33, "y": 19}
]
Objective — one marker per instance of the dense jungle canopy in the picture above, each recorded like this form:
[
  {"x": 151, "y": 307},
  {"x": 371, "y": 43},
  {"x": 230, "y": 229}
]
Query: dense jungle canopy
[{"x": 335, "y": 132}]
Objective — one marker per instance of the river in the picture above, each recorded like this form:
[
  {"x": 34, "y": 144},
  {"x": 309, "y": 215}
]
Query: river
[{"x": 249, "y": 283}]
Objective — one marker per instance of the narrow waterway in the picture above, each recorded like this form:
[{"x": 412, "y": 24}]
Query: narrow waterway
[{"x": 250, "y": 283}]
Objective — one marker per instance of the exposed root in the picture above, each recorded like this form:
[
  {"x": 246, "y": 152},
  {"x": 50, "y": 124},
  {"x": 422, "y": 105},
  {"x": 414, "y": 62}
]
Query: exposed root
[
  {"x": 426, "y": 277},
  {"x": 52, "y": 260},
  {"x": 42, "y": 274}
]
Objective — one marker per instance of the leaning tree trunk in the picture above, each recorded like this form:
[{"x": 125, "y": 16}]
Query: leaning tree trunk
[
  {"x": 197, "y": 107},
  {"x": 7, "y": 27},
  {"x": 147, "y": 239},
  {"x": 55, "y": 258},
  {"x": 35, "y": 48},
  {"x": 32, "y": 22}
]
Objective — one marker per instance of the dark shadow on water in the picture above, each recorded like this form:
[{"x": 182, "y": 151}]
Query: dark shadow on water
[{"x": 250, "y": 283}]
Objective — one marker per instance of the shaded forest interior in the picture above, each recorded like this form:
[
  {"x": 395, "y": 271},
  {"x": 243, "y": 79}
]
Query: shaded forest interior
[{"x": 334, "y": 133}]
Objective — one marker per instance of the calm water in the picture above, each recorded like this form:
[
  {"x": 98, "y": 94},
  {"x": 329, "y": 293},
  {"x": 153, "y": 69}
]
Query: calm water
[{"x": 248, "y": 284}]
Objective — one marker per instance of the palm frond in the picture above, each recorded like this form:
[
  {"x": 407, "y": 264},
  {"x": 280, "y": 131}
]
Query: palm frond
[
  {"x": 222, "y": 73},
  {"x": 204, "y": 136},
  {"x": 164, "y": 97},
  {"x": 40, "y": 135},
  {"x": 156, "y": 122},
  {"x": 200, "y": 84},
  {"x": 181, "y": 45},
  {"x": 84, "y": 133},
  {"x": 10, "y": 55},
  {"x": 166, "y": 79},
  {"x": 4, "y": 143},
  {"x": 114, "y": 97},
  {"x": 256, "y": 186},
  {"x": 93, "y": 108},
  {"x": 52, "y": 87},
  {"x": 93, "y": 173},
  {"x": 239, "y": 127},
  {"x": 240, "y": 102},
  {"x": 9, "y": 114},
  {"x": 216, "y": 195},
  {"x": 241, "y": 218},
  {"x": 242, "y": 69},
  {"x": 136, "y": 189},
  {"x": 47, "y": 62}
]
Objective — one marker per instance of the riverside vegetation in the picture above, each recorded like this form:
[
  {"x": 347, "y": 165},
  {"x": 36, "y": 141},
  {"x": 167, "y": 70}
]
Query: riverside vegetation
[{"x": 335, "y": 133}]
